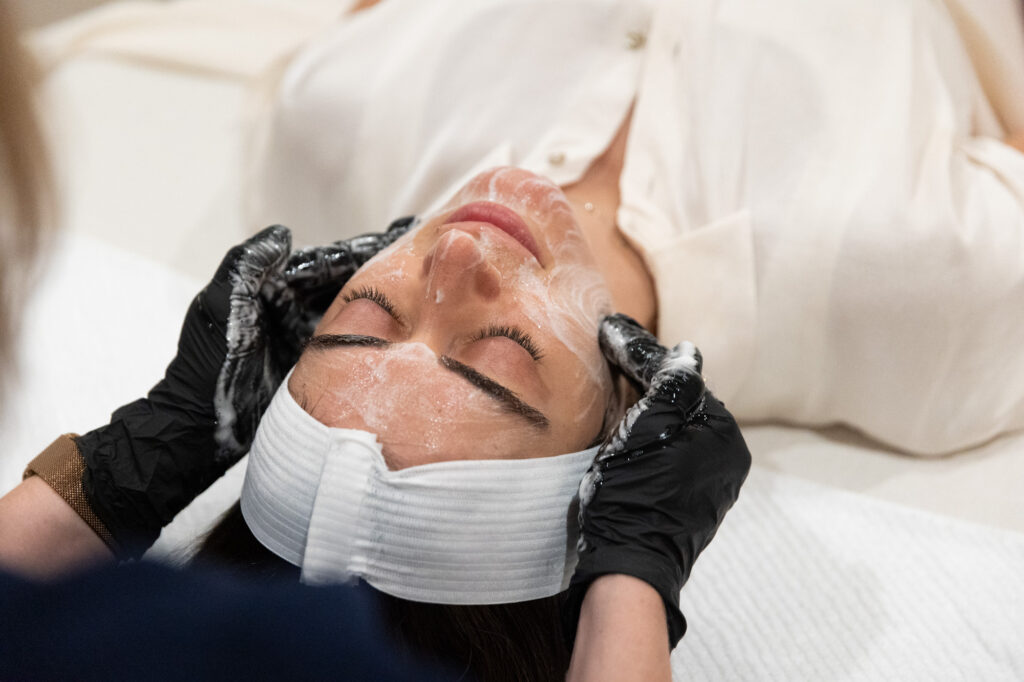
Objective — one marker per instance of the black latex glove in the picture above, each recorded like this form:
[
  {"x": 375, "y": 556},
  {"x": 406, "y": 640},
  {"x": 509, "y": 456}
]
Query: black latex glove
[
  {"x": 660, "y": 486},
  {"x": 314, "y": 276},
  {"x": 241, "y": 335}
]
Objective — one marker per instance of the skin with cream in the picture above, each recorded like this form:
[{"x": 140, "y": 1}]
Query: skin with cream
[{"x": 472, "y": 337}]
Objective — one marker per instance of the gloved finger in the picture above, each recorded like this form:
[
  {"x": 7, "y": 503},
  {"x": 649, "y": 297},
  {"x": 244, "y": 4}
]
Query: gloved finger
[
  {"x": 399, "y": 227},
  {"x": 670, "y": 380},
  {"x": 640, "y": 356},
  {"x": 675, "y": 399},
  {"x": 678, "y": 382},
  {"x": 312, "y": 269},
  {"x": 254, "y": 279},
  {"x": 246, "y": 266},
  {"x": 631, "y": 348},
  {"x": 244, "y": 380},
  {"x": 242, "y": 273}
]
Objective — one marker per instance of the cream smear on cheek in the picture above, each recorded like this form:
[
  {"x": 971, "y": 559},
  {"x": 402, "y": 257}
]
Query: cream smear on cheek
[{"x": 419, "y": 413}]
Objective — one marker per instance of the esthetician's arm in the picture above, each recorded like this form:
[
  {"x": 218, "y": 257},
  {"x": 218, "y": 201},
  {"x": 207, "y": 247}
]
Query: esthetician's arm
[
  {"x": 621, "y": 635},
  {"x": 42, "y": 537}
]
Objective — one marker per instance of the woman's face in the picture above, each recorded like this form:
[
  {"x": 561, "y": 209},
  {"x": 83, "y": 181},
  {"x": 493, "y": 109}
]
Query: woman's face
[{"x": 472, "y": 337}]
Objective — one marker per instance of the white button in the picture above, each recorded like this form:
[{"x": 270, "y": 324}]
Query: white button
[
  {"x": 635, "y": 40},
  {"x": 556, "y": 158}
]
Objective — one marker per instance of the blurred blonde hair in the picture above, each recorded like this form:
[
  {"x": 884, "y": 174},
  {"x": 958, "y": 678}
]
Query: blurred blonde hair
[{"x": 25, "y": 185}]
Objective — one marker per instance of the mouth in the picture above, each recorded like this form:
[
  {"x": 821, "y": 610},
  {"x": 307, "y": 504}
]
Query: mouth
[{"x": 501, "y": 217}]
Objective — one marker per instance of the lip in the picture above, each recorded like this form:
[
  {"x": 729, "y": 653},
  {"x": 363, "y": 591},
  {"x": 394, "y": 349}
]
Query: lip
[{"x": 501, "y": 217}]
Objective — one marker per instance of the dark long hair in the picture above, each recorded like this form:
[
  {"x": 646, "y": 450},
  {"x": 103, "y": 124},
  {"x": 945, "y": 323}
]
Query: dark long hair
[{"x": 520, "y": 642}]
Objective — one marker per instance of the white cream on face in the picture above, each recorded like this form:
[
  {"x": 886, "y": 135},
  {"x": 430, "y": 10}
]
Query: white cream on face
[
  {"x": 403, "y": 394},
  {"x": 568, "y": 300},
  {"x": 414, "y": 405}
]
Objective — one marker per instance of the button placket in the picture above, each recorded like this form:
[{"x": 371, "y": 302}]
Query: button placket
[{"x": 636, "y": 40}]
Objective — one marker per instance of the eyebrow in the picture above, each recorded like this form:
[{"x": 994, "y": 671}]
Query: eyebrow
[{"x": 510, "y": 401}]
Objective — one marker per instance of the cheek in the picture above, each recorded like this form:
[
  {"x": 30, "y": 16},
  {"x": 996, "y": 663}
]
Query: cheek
[
  {"x": 582, "y": 412},
  {"x": 565, "y": 311}
]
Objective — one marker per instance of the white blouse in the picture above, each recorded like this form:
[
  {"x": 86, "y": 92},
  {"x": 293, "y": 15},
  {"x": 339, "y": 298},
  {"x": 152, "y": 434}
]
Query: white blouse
[
  {"x": 400, "y": 104},
  {"x": 818, "y": 188}
]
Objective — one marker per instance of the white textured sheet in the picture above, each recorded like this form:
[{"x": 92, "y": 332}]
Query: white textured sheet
[{"x": 805, "y": 582}]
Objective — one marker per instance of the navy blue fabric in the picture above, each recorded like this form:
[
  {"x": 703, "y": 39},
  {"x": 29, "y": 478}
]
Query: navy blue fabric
[{"x": 148, "y": 622}]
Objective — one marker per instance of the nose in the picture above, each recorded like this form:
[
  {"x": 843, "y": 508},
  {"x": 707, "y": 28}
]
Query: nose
[{"x": 458, "y": 271}]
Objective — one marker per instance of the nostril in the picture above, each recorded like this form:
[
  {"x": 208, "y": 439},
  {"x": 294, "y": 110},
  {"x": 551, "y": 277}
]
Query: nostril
[{"x": 488, "y": 282}]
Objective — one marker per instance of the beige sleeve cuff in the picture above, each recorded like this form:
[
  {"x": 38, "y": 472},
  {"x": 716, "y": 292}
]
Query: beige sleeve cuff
[{"x": 61, "y": 467}]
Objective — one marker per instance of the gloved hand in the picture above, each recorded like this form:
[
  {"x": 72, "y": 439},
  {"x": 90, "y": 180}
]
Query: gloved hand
[
  {"x": 661, "y": 484},
  {"x": 314, "y": 276},
  {"x": 240, "y": 336}
]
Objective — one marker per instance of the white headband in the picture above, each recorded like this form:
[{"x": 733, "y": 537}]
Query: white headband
[{"x": 461, "y": 532}]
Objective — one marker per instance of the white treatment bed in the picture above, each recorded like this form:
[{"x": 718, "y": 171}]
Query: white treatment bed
[{"x": 841, "y": 561}]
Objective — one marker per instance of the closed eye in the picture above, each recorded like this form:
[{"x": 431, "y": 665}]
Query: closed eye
[
  {"x": 515, "y": 334},
  {"x": 377, "y": 296}
]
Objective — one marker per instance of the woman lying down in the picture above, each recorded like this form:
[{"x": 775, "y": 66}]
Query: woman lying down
[{"x": 454, "y": 432}]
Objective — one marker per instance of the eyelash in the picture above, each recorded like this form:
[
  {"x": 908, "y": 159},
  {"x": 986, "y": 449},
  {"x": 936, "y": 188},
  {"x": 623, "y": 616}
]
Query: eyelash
[
  {"x": 376, "y": 295},
  {"x": 515, "y": 334}
]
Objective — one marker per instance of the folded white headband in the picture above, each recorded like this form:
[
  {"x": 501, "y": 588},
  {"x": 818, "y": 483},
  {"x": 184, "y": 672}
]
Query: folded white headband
[{"x": 461, "y": 532}]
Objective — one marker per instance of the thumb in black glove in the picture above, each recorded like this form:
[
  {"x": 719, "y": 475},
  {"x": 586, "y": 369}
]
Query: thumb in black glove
[{"x": 661, "y": 485}]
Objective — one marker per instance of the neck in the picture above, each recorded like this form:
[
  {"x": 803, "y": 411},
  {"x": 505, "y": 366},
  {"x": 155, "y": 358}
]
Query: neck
[{"x": 595, "y": 199}]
